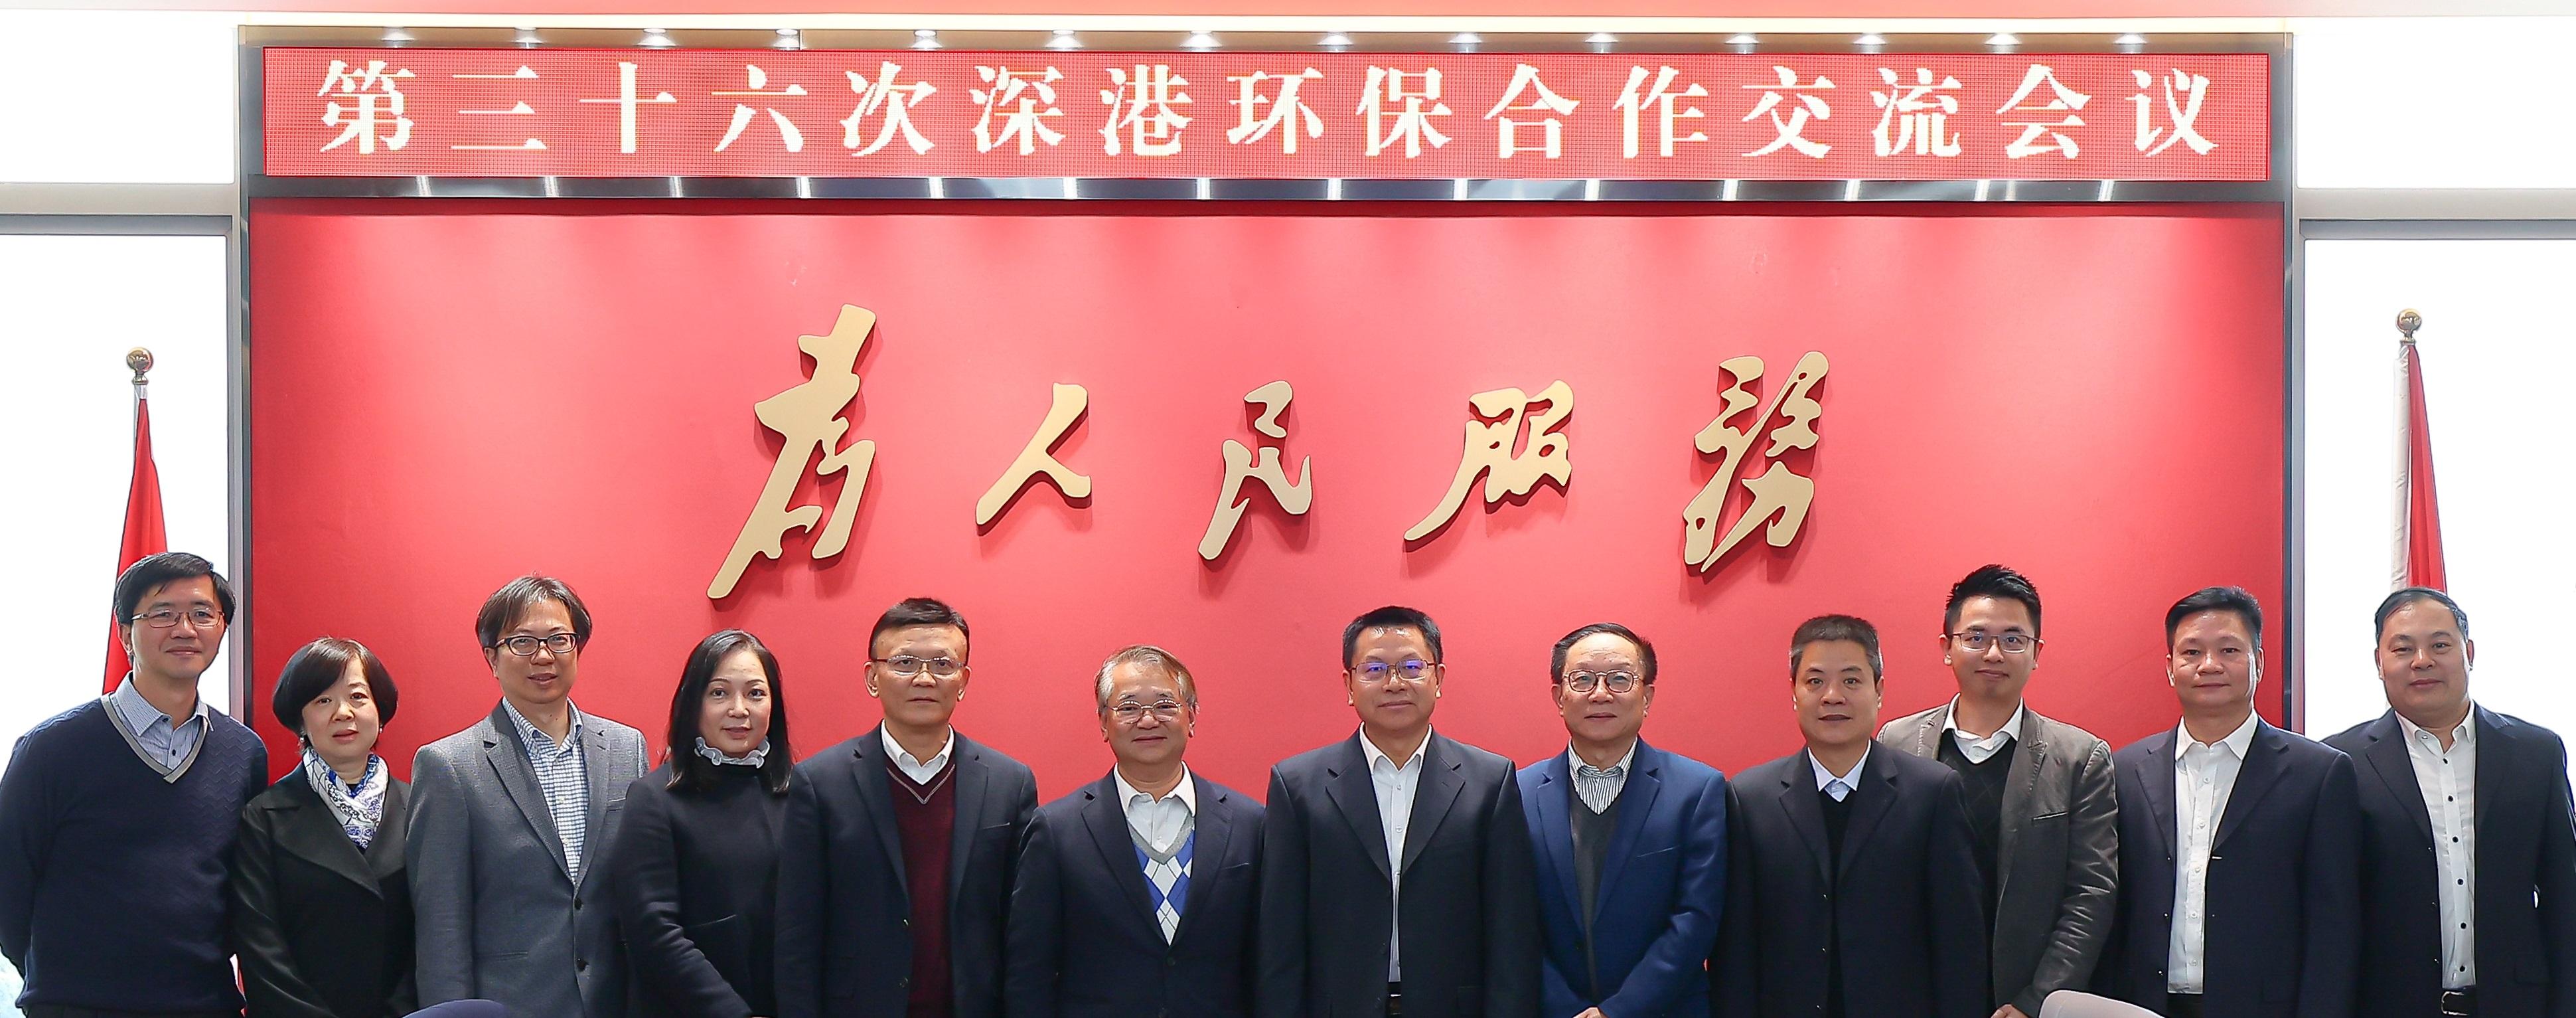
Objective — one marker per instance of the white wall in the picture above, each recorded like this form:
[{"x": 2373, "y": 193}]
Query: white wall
[
  {"x": 117, "y": 97},
  {"x": 70, "y": 306},
  {"x": 2432, "y": 102},
  {"x": 2499, "y": 352}
]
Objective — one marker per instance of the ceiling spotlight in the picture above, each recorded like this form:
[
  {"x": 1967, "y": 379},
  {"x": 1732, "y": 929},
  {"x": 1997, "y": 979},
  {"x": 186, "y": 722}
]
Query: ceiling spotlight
[
  {"x": 924, "y": 38},
  {"x": 1199, "y": 40},
  {"x": 527, "y": 37},
  {"x": 1063, "y": 39},
  {"x": 656, "y": 37},
  {"x": 1743, "y": 39},
  {"x": 397, "y": 36},
  {"x": 2002, "y": 40},
  {"x": 1600, "y": 38},
  {"x": 2132, "y": 39},
  {"x": 1336, "y": 39},
  {"x": 1871, "y": 39},
  {"x": 788, "y": 32},
  {"x": 1467, "y": 39}
]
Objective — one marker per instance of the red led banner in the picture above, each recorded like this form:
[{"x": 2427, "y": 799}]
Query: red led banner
[{"x": 904, "y": 113}]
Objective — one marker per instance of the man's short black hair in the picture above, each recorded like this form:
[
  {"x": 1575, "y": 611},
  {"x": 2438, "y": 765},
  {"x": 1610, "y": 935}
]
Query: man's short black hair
[
  {"x": 1996, "y": 581},
  {"x": 1645, "y": 651},
  {"x": 316, "y": 667},
  {"x": 2413, "y": 595},
  {"x": 916, "y": 611},
  {"x": 2217, "y": 599},
  {"x": 1390, "y": 617},
  {"x": 511, "y": 604},
  {"x": 1830, "y": 628},
  {"x": 150, "y": 572}
]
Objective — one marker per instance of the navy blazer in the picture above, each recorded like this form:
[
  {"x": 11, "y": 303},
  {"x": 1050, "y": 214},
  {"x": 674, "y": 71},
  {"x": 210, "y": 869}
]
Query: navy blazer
[
  {"x": 1084, "y": 942},
  {"x": 1327, "y": 895},
  {"x": 844, "y": 912},
  {"x": 2283, "y": 901},
  {"x": 1901, "y": 902},
  {"x": 1663, "y": 887},
  {"x": 2525, "y": 907}
]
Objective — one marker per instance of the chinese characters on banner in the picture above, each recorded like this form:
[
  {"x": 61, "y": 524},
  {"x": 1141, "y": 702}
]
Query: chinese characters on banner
[
  {"x": 1514, "y": 440},
  {"x": 767, "y": 113}
]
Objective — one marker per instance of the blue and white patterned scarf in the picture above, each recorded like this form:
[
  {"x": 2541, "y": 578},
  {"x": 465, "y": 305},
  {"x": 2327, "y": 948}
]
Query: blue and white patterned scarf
[{"x": 359, "y": 809}]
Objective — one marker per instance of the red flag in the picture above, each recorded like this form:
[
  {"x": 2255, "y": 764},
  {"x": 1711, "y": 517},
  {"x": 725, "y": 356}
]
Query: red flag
[
  {"x": 2419, "y": 512},
  {"x": 144, "y": 534}
]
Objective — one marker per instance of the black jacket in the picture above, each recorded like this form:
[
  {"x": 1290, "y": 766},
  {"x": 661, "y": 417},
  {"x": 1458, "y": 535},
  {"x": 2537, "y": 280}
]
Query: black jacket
[
  {"x": 2283, "y": 901},
  {"x": 1470, "y": 906},
  {"x": 322, "y": 929},
  {"x": 1901, "y": 901},
  {"x": 844, "y": 943},
  {"x": 1084, "y": 942},
  {"x": 2525, "y": 867},
  {"x": 694, "y": 875}
]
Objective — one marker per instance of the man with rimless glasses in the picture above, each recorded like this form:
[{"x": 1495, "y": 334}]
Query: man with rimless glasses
[
  {"x": 508, "y": 818},
  {"x": 2041, "y": 804},
  {"x": 1395, "y": 869},
  {"x": 895, "y": 862}
]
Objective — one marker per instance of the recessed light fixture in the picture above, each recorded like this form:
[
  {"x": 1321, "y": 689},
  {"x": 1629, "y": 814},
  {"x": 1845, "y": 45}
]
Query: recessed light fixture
[
  {"x": 2131, "y": 40},
  {"x": 527, "y": 37},
  {"x": 1063, "y": 39},
  {"x": 656, "y": 37},
  {"x": 1336, "y": 39},
  {"x": 1743, "y": 39},
  {"x": 397, "y": 36},
  {"x": 1466, "y": 39},
  {"x": 1199, "y": 40},
  {"x": 2003, "y": 40},
  {"x": 925, "y": 38},
  {"x": 789, "y": 38},
  {"x": 1871, "y": 39}
]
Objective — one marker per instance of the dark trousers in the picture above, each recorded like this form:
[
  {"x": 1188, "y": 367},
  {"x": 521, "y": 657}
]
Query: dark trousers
[{"x": 2183, "y": 1005}]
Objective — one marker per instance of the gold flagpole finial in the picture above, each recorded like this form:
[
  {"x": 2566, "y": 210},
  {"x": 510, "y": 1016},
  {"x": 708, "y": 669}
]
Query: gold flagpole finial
[
  {"x": 2408, "y": 321},
  {"x": 140, "y": 361}
]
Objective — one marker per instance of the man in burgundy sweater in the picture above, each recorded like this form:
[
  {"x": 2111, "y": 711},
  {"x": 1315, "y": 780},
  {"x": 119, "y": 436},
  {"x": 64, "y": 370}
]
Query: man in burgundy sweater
[{"x": 896, "y": 863}]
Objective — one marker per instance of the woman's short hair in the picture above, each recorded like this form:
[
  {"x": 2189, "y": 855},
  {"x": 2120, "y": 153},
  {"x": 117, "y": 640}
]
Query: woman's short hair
[{"x": 317, "y": 666}]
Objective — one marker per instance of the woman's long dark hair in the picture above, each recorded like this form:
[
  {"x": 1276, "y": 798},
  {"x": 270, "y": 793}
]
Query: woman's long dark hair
[{"x": 691, "y": 772}]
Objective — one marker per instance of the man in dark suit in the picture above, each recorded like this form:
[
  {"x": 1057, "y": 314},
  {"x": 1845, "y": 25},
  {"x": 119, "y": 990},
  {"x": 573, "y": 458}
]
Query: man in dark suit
[
  {"x": 2041, "y": 806},
  {"x": 1136, "y": 893},
  {"x": 2467, "y": 854},
  {"x": 1851, "y": 886},
  {"x": 894, "y": 868},
  {"x": 1395, "y": 869},
  {"x": 1630, "y": 842},
  {"x": 2239, "y": 843}
]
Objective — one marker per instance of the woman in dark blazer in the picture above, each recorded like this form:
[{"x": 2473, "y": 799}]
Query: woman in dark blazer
[
  {"x": 321, "y": 907},
  {"x": 694, "y": 872}
]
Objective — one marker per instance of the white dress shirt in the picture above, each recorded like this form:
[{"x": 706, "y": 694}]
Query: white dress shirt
[
  {"x": 1979, "y": 750},
  {"x": 1825, "y": 779},
  {"x": 1159, "y": 821},
  {"x": 919, "y": 770},
  {"x": 2204, "y": 776},
  {"x": 2449, "y": 781},
  {"x": 1395, "y": 788}
]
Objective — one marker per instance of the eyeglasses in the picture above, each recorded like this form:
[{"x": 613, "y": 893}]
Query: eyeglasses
[
  {"x": 526, "y": 646},
  {"x": 1130, "y": 713},
  {"x": 2012, "y": 643},
  {"x": 1376, "y": 672},
  {"x": 202, "y": 618},
  {"x": 907, "y": 666},
  {"x": 1585, "y": 682}
]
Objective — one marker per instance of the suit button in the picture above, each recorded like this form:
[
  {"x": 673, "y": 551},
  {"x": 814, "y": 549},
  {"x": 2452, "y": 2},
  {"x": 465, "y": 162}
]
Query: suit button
[
  {"x": 1169, "y": 962},
  {"x": 576, "y": 904},
  {"x": 904, "y": 983},
  {"x": 907, "y": 924}
]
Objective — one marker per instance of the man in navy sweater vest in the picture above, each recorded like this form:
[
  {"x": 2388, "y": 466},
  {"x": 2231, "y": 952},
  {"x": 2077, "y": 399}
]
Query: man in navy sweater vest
[{"x": 116, "y": 817}]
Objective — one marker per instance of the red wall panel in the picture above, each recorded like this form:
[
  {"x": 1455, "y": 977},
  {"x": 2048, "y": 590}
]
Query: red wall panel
[{"x": 445, "y": 394}]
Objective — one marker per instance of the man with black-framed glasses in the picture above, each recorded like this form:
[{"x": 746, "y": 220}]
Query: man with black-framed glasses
[
  {"x": 1630, "y": 842},
  {"x": 509, "y": 818},
  {"x": 1136, "y": 893},
  {"x": 895, "y": 861},
  {"x": 2042, "y": 806},
  {"x": 1395, "y": 869}
]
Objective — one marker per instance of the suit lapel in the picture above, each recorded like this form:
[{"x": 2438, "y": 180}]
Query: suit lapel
[
  {"x": 596, "y": 775},
  {"x": 1441, "y": 783},
  {"x": 2386, "y": 757},
  {"x": 1356, "y": 797},
  {"x": 1867, "y": 812},
  {"x": 1214, "y": 831},
  {"x": 2158, "y": 780},
  {"x": 508, "y": 757},
  {"x": 1798, "y": 797},
  {"x": 2032, "y": 752},
  {"x": 1106, "y": 818},
  {"x": 385, "y": 853},
  {"x": 1556, "y": 827},
  {"x": 878, "y": 800},
  {"x": 2496, "y": 750},
  {"x": 2262, "y": 770},
  {"x": 308, "y": 830},
  {"x": 972, "y": 779},
  {"x": 1636, "y": 802}
]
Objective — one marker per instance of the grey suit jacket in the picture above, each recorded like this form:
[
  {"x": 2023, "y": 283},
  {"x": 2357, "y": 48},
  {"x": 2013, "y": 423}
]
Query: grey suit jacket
[
  {"x": 2058, "y": 872},
  {"x": 498, "y": 914}
]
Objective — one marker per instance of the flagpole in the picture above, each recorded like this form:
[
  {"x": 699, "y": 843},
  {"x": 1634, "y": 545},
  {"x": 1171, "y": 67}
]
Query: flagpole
[{"x": 139, "y": 360}]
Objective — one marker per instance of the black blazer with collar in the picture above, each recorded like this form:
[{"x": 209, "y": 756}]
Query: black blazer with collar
[
  {"x": 1901, "y": 902},
  {"x": 2525, "y": 905},
  {"x": 694, "y": 879},
  {"x": 1470, "y": 906},
  {"x": 2283, "y": 901},
  {"x": 1084, "y": 942},
  {"x": 322, "y": 929},
  {"x": 844, "y": 942}
]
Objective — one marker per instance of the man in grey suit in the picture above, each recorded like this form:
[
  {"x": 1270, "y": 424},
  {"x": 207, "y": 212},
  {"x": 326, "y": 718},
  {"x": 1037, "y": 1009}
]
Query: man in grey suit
[
  {"x": 2042, "y": 806},
  {"x": 507, "y": 818}
]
